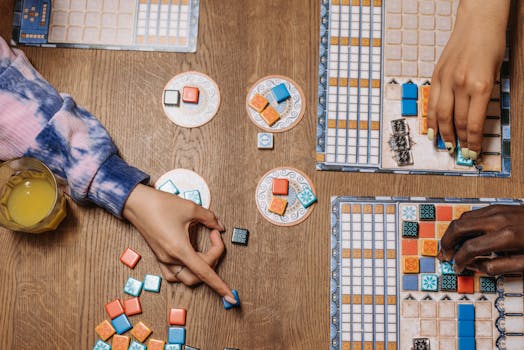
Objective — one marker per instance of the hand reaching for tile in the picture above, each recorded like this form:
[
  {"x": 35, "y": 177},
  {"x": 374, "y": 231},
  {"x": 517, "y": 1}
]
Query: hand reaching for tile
[
  {"x": 479, "y": 233},
  {"x": 464, "y": 76},
  {"x": 164, "y": 220}
]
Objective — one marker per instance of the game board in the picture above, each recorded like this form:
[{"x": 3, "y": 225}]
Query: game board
[
  {"x": 152, "y": 25},
  {"x": 381, "y": 300},
  {"x": 376, "y": 63}
]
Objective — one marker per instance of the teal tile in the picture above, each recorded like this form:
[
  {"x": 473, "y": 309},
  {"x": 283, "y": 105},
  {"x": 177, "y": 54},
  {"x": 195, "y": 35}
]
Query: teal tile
[
  {"x": 193, "y": 196},
  {"x": 306, "y": 197},
  {"x": 428, "y": 282},
  {"x": 152, "y": 283},
  {"x": 133, "y": 287},
  {"x": 410, "y": 229}
]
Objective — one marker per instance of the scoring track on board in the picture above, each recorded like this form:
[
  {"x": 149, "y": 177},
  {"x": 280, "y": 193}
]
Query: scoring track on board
[
  {"x": 187, "y": 180},
  {"x": 291, "y": 110},
  {"x": 190, "y": 115},
  {"x": 295, "y": 212}
]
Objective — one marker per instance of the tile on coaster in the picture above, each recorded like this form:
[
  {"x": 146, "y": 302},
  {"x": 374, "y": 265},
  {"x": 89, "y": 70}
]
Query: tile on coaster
[
  {"x": 258, "y": 103},
  {"x": 410, "y": 282},
  {"x": 141, "y": 331},
  {"x": 133, "y": 287},
  {"x": 409, "y": 91},
  {"x": 444, "y": 212},
  {"x": 193, "y": 196},
  {"x": 114, "y": 308},
  {"x": 177, "y": 317},
  {"x": 227, "y": 305},
  {"x": 409, "y": 213},
  {"x": 410, "y": 229},
  {"x": 176, "y": 335},
  {"x": 466, "y": 329},
  {"x": 421, "y": 344},
  {"x": 130, "y": 258},
  {"x": 280, "y": 186},
  {"x": 132, "y": 306},
  {"x": 105, "y": 330},
  {"x": 190, "y": 94},
  {"x": 169, "y": 187},
  {"x": 278, "y": 206},
  {"x": 100, "y": 345},
  {"x": 265, "y": 140},
  {"x": 426, "y": 212},
  {"x": 410, "y": 264},
  {"x": 429, "y": 282},
  {"x": 488, "y": 285},
  {"x": 459, "y": 158},
  {"x": 121, "y": 324},
  {"x": 306, "y": 197},
  {"x": 270, "y": 116},
  {"x": 440, "y": 143},
  {"x": 465, "y": 284},
  {"x": 120, "y": 342},
  {"x": 448, "y": 283},
  {"x": 155, "y": 344},
  {"x": 136, "y": 346},
  {"x": 240, "y": 236},
  {"x": 173, "y": 347},
  {"x": 409, "y": 247},
  {"x": 172, "y": 98},
  {"x": 152, "y": 283},
  {"x": 446, "y": 268},
  {"x": 466, "y": 312},
  {"x": 428, "y": 247},
  {"x": 426, "y": 229},
  {"x": 280, "y": 92},
  {"x": 427, "y": 265},
  {"x": 409, "y": 108}
]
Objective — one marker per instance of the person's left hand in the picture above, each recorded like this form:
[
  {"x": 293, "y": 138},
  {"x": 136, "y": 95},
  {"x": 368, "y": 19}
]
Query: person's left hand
[{"x": 495, "y": 229}]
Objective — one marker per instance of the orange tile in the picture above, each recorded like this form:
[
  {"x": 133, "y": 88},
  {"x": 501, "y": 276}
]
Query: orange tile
[
  {"x": 424, "y": 92},
  {"x": 120, "y": 342},
  {"x": 105, "y": 330},
  {"x": 190, "y": 94},
  {"x": 140, "y": 331},
  {"x": 444, "y": 213},
  {"x": 280, "y": 186},
  {"x": 426, "y": 229},
  {"x": 258, "y": 103},
  {"x": 130, "y": 258},
  {"x": 428, "y": 247},
  {"x": 441, "y": 229},
  {"x": 424, "y": 126},
  {"x": 177, "y": 317},
  {"x": 132, "y": 306},
  {"x": 270, "y": 115},
  {"x": 410, "y": 264},
  {"x": 278, "y": 206},
  {"x": 409, "y": 247},
  {"x": 465, "y": 284},
  {"x": 114, "y": 308},
  {"x": 155, "y": 344}
]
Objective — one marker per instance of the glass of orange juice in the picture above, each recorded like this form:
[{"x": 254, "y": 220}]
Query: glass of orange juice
[{"x": 30, "y": 200}]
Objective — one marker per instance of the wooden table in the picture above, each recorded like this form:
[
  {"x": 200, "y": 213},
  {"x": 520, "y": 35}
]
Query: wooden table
[{"x": 54, "y": 286}]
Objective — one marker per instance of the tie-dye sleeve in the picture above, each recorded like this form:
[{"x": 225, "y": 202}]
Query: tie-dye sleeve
[{"x": 37, "y": 121}]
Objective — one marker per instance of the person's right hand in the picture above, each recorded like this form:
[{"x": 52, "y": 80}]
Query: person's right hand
[{"x": 495, "y": 229}]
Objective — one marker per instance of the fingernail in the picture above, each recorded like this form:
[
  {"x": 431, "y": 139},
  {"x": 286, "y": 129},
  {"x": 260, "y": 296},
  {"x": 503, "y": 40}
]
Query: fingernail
[
  {"x": 440, "y": 255},
  {"x": 449, "y": 147},
  {"x": 431, "y": 134},
  {"x": 465, "y": 153},
  {"x": 472, "y": 155},
  {"x": 230, "y": 300}
]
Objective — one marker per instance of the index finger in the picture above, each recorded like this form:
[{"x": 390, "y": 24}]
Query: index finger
[{"x": 476, "y": 119}]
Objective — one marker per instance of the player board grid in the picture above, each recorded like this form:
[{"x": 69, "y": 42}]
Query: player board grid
[
  {"x": 151, "y": 25},
  {"x": 377, "y": 302},
  {"x": 370, "y": 51}
]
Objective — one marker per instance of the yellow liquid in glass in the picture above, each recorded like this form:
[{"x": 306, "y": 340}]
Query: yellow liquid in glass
[{"x": 30, "y": 201}]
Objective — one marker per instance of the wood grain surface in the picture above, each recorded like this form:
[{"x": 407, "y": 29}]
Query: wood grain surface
[{"x": 54, "y": 286}]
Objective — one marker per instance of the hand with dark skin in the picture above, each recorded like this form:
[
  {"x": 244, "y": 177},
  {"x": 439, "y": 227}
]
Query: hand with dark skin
[{"x": 495, "y": 229}]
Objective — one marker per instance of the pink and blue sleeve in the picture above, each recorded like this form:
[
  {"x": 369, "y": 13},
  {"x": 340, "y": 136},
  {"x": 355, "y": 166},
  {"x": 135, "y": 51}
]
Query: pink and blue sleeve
[{"x": 37, "y": 121}]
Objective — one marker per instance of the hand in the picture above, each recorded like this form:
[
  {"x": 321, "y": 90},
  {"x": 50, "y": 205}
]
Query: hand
[
  {"x": 464, "y": 76},
  {"x": 495, "y": 229},
  {"x": 164, "y": 221}
]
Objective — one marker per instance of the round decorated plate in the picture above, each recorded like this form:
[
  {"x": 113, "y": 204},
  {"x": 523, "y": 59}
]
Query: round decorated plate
[
  {"x": 191, "y": 115},
  {"x": 290, "y": 110},
  {"x": 295, "y": 211},
  {"x": 181, "y": 181}
]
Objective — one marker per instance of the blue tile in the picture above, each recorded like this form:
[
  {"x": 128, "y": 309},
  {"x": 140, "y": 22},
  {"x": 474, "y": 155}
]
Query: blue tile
[
  {"x": 428, "y": 282},
  {"x": 466, "y": 329},
  {"x": 193, "y": 196},
  {"x": 466, "y": 312},
  {"x": 410, "y": 282},
  {"x": 440, "y": 143},
  {"x": 427, "y": 264},
  {"x": 173, "y": 347},
  {"x": 280, "y": 92},
  {"x": 446, "y": 268},
  {"x": 133, "y": 287},
  {"x": 227, "y": 305},
  {"x": 240, "y": 236},
  {"x": 306, "y": 197},
  {"x": 409, "y": 91},
  {"x": 121, "y": 324},
  {"x": 176, "y": 335},
  {"x": 409, "y": 108},
  {"x": 100, "y": 345},
  {"x": 169, "y": 187},
  {"x": 136, "y": 346},
  {"x": 466, "y": 343},
  {"x": 152, "y": 283}
]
